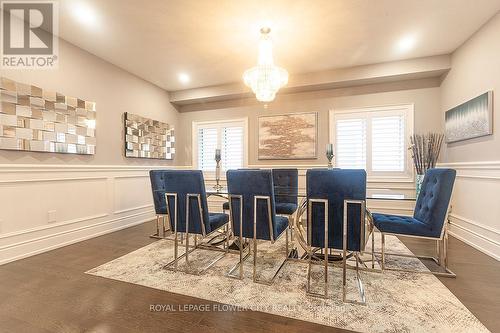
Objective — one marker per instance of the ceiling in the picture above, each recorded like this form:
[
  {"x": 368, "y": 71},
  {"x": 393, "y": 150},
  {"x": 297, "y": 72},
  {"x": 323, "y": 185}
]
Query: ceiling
[{"x": 214, "y": 41}]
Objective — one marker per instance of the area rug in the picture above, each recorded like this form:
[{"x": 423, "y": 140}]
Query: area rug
[{"x": 395, "y": 301}]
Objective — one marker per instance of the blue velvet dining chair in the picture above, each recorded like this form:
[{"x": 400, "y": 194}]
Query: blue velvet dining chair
[
  {"x": 225, "y": 205},
  {"x": 286, "y": 186},
  {"x": 187, "y": 211},
  {"x": 336, "y": 205},
  {"x": 428, "y": 220},
  {"x": 286, "y": 183},
  {"x": 253, "y": 215},
  {"x": 158, "y": 189}
]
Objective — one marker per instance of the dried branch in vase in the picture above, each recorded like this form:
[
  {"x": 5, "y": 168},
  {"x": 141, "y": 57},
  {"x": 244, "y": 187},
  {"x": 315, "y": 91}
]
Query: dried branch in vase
[{"x": 425, "y": 150}]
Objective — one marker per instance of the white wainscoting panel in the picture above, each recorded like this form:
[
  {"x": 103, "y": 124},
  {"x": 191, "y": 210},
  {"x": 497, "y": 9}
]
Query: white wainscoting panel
[
  {"x": 475, "y": 209},
  {"x": 49, "y": 206}
]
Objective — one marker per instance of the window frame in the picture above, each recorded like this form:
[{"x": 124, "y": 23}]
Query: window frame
[
  {"x": 407, "y": 110},
  {"x": 196, "y": 125}
]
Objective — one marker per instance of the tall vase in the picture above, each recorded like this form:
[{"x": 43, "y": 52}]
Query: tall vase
[{"x": 419, "y": 179}]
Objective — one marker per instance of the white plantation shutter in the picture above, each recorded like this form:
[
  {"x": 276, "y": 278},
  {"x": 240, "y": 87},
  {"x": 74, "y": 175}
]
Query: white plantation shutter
[
  {"x": 232, "y": 147},
  {"x": 388, "y": 143},
  {"x": 351, "y": 143},
  {"x": 207, "y": 143},
  {"x": 374, "y": 139},
  {"x": 226, "y": 136}
]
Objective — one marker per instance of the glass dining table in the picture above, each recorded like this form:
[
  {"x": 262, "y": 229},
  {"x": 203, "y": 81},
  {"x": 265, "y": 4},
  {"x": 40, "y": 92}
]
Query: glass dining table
[
  {"x": 298, "y": 222},
  {"x": 300, "y": 193}
]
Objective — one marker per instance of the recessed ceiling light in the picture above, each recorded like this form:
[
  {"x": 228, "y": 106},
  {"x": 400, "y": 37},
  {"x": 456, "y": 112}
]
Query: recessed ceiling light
[
  {"x": 406, "y": 43},
  {"x": 85, "y": 14},
  {"x": 183, "y": 78}
]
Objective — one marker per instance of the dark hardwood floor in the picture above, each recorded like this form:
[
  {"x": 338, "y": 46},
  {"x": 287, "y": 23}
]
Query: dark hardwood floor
[{"x": 50, "y": 293}]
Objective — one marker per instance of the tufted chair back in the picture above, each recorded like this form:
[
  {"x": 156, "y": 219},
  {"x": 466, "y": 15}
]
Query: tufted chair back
[
  {"x": 336, "y": 185},
  {"x": 250, "y": 183},
  {"x": 184, "y": 182},
  {"x": 158, "y": 188},
  {"x": 286, "y": 183},
  {"x": 434, "y": 198}
]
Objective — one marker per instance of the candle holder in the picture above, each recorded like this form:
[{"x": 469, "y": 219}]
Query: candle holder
[
  {"x": 217, "y": 186},
  {"x": 329, "y": 155}
]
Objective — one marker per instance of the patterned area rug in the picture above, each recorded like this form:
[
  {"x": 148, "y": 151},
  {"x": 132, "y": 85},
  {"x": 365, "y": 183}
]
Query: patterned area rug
[{"x": 395, "y": 301}]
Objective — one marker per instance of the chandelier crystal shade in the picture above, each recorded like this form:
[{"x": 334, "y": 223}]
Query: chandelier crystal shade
[{"x": 265, "y": 79}]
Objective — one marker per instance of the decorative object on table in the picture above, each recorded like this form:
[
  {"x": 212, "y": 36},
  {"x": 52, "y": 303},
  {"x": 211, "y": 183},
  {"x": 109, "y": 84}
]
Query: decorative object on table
[
  {"x": 148, "y": 138},
  {"x": 471, "y": 119},
  {"x": 425, "y": 151},
  {"x": 329, "y": 155},
  {"x": 217, "y": 186},
  {"x": 35, "y": 119},
  {"x": 289, "y": 136},
  {"x": 265, "y": 79}
]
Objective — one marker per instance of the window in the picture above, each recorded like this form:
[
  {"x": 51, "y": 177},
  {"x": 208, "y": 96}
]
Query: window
[
  {"x": 351, "y": 143},
  {"x": 374, "y": 139},
  {"x": 228, "y": 136}
]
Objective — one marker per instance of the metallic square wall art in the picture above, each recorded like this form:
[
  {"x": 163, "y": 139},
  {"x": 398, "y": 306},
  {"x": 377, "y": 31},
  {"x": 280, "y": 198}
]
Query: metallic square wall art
[
  {"x": 34, "y": 119},
  {"x": 148, "y": 138}
]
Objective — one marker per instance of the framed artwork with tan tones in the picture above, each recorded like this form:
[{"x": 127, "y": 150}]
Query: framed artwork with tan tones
[{"x": 288, "y": 136}]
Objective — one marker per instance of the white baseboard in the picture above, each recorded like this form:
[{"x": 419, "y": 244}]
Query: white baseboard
[{"x": 468, "y": 239}]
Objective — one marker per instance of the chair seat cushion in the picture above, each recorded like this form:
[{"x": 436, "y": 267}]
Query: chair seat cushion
[
  {"x": 281, "y": 225},
  {"x": 403, "y": 225},
  {"x": 217, "y": 220},
  {"x": 225, "y": 205},
  {"x": 285, "y": 208}
]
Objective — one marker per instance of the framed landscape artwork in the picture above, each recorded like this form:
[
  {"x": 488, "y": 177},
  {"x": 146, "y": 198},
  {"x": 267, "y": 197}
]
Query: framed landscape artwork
[
  {"x": 290, "y": 136},
  {"x": 471, "y": 119}
]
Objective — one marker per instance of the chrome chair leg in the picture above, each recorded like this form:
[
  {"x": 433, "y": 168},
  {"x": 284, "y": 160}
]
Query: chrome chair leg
[
  {"x": 325, "y": 255},
  {"x": 239, "y": 264},
  {"x": 269, "y": 282},
  {"x": 438, "y": 251},
  {"x": 187, "y": 246},
  {"x": 373, "y": 247},
  {"x": 344, "y": 259},
  {"x": 158, "y": 225},
  {"x": 383, "y": 251},
  {"x": 272, "y": 236},
  {"x": 157, "y": 235},
  {"x": 441, "y": 260},
  {"x": 241, "y": 240},
  {"x": 187, "y": 232},
  {"x": 164, "y": 219},
  {"x": 358, "y": 280}
]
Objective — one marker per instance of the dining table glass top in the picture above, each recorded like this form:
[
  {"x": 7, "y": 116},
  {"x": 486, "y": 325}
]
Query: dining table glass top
[{"x": 371, "y": 193}]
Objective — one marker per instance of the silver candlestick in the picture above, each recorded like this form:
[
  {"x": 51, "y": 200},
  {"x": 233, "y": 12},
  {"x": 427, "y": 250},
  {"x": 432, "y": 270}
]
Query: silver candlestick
[
  {"x": 329, "y": 155},
  {"x": 217, "y": 186}
]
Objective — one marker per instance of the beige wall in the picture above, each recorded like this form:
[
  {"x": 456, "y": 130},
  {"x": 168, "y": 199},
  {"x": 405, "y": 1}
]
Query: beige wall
[
  {"x": 475, "y": 70},
  {"x": 424, "y": 94},
  {"x": 83, "y": 75}
]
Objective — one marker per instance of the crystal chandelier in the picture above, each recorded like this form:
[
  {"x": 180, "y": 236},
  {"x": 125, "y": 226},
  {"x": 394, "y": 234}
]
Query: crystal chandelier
[{"x": 265, "y": 79}]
